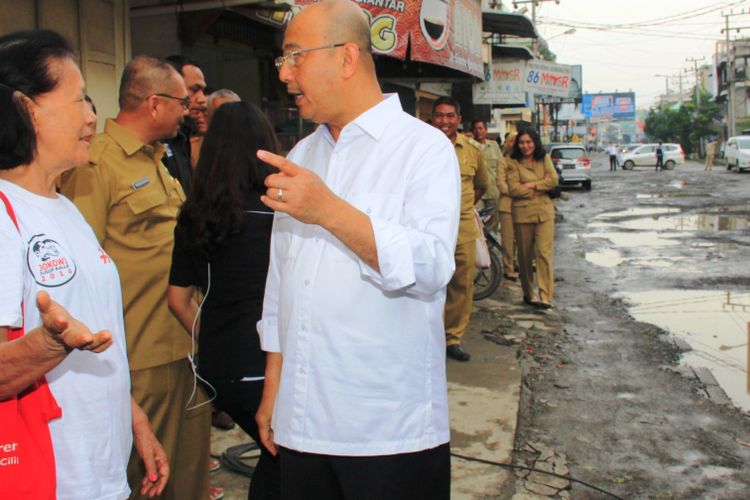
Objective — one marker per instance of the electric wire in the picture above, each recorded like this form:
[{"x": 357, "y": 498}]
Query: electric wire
[
  {"x": 532, "y": 469},
  {"x": 235, "y": 457},
  {"x": 191, "y": 355},
  {"x": 690, "y": 14}
]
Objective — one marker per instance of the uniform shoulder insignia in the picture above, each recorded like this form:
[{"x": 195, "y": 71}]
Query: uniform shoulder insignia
[{"x": 474, "y": 143}]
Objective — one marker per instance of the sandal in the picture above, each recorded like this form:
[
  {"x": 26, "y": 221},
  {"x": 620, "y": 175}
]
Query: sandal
[
  {"x": 215, "y": 493},
  {"x": 213, "y": 465}
]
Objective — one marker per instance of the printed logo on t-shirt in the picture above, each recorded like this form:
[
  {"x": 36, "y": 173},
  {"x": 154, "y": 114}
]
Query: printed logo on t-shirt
[{"x": 48, "y": 261}]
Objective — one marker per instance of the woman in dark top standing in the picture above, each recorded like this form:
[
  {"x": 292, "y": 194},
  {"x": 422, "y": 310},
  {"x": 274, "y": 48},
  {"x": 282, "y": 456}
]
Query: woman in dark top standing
[{"x": 221, "y": 247}]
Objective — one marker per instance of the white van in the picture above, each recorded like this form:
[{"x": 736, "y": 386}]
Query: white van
[{"x": 737, "y": 153}]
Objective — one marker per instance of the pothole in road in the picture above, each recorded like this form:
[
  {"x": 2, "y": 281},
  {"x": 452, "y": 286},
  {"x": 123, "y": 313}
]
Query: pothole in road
[
  {"x": 714, "y": 324},
  {"x": 674, "y": 194},
  {"x": 649, "y": 230},
  {"x": 707, "y": 222}
]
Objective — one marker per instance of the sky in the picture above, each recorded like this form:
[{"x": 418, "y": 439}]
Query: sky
[{"x": 619, "y": 56}]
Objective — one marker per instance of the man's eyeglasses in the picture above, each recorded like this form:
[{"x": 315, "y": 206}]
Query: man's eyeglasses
[
  {"x": 185, "y": 101},
  {"x": 290, "y": 57}
]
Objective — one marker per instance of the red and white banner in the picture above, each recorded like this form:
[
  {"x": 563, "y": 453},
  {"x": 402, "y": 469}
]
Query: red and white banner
[{"x": 443, "y": 32}]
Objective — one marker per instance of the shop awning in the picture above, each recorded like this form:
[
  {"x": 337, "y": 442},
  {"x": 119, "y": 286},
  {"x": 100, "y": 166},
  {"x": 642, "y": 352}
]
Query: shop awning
[
  {"x": 511, "y": 52},
  {"x": 157, "y": 7},
  {"x": 505, "y": 23}
]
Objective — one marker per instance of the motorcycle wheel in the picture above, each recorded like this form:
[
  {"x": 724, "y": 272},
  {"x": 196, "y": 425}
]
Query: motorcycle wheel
[{"x": 487, "y": 280}]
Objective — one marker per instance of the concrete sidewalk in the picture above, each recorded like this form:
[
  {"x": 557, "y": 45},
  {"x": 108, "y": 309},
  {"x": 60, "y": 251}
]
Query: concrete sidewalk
[{"x": 483, "y": 393}]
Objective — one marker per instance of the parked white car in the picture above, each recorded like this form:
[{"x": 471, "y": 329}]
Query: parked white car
[
  {"x": 737, "y": 153},
  {"x": 645, "y": 156}
]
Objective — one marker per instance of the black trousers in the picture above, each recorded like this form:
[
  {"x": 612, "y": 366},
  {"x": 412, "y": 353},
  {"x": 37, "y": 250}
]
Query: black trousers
[
  {"x": 423, "y": 475},
  {"x": 612, "y": 162},
  {"x": 659, "y": 162},
  {"x": 241, "y": 400}
]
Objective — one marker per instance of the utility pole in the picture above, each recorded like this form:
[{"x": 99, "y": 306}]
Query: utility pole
[
  {"x": 695, "y": 61},
  {"x": 731, "y": 77},
  {"x": 666, "y": 83}
]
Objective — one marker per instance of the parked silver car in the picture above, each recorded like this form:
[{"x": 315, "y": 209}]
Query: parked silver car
[
  {"x": 645, "y": 156},
  {"x": 572, "y": 164}
]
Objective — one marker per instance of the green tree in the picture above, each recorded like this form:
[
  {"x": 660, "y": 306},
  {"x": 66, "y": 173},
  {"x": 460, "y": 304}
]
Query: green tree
[{"x": 688, "y": 124}]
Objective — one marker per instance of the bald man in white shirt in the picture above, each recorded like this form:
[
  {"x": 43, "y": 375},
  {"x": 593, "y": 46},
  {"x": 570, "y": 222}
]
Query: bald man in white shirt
[{"x": 367, "y": 211}]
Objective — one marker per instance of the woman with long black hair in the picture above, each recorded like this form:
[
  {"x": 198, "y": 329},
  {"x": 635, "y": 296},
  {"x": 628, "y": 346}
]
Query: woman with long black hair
[
  {"x": 531, "y": 175},
  {"x": 222, "y": 242}
]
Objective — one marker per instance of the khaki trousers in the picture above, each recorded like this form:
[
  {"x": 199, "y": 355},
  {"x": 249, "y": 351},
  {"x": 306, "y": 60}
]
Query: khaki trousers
[
  {"x": 460, "y": 296},
  {"x": 508, "y": 240},
  {"x": 709, "y": 162},
  {"x": 163, "y": 393},
  {"x": 535, "y": 241}
]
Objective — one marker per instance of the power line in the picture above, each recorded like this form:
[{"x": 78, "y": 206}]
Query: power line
[{"x": 648, "y": 23}]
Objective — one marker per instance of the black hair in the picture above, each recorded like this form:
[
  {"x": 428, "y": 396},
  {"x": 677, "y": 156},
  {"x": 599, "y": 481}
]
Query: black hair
[
  {"x": 178, "y": 62},
  {"x": 227, "y": 172},
  {"x": 449, "y": 101},
  {"x": 478, "y": 120},
  {"x": 25, "y": 71},
  {"x": 538, "y": 147}
]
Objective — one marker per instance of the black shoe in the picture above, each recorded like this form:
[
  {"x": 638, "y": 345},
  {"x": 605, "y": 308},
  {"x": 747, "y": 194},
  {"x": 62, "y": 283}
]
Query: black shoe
[
  {"x": 530, "y": 302},
  {"x": 543, "y": 305},
  {"x": 221, "y": 420},
  {"x": 457, "y": 352}
]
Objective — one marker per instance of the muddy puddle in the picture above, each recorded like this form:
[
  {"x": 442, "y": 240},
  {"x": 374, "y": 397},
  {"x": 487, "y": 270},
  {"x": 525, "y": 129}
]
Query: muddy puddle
[
  {"x": 714, "y": 324},
  {"x": 643, "y": 232}
]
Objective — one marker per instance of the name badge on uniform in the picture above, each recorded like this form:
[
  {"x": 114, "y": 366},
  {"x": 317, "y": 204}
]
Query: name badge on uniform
[
  {"x": 168, "y": 148},
  {"x": 140, "y": 183}
]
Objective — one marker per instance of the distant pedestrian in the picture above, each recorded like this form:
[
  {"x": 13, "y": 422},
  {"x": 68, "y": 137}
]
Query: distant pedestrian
[
  {"x": 710, "y": 154},
  {"x": 612, "y": 152},
  {"x": 659, "y": 157}
]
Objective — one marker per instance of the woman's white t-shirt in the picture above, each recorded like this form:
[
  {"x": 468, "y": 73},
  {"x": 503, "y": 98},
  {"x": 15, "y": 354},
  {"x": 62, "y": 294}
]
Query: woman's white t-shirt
[{"x": 57, "y": 252}]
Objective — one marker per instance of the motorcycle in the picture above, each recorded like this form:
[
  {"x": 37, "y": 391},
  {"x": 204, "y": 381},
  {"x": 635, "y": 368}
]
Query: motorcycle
[{"x": 487, "y": 280}]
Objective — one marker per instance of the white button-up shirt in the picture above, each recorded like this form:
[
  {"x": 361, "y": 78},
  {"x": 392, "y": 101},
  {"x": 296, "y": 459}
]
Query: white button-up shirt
[{"x": 364, "y": 351}]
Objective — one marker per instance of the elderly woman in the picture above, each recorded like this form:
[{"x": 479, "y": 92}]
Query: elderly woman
[
  {"x": 58, "y": 287},
  {"x": 531, "y": 175}
]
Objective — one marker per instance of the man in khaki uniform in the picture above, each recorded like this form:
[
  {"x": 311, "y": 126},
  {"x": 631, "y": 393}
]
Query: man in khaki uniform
[
  {"x": 446, "y": 115},
  {"x": 710, "y": 154},
  {"x": 493, "y": 160},
  {"x": 131, "y": 202}
]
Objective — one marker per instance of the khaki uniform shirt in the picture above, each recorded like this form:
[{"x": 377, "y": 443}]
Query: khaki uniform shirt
[
  {"x": 473, "y": 176},
  {"x": 531, "y": 205},
  {"x": 131, "y": 202},
  {"x": 493, "y": 159},
  {"x": 502, "y": 185}
]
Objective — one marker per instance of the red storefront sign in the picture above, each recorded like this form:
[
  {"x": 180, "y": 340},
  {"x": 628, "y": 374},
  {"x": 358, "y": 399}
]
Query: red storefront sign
[{"x": 443, "y": 32}]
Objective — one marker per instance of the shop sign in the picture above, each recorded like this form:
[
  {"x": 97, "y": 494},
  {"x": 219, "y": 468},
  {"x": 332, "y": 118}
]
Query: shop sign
[
  {"x": 505, "y": 85},
  {"x": 443, "y": 32},
  {"x": 548, "y": 79}
]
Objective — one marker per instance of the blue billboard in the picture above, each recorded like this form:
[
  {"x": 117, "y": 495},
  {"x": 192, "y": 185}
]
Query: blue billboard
[{"x": 611, "y": 106}]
